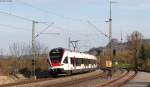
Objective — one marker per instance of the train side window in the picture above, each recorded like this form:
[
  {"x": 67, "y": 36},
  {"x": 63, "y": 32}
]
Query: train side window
[
  {"x": 72, "y": 61},
  {"x": 87, "y": 62},
  {"x": 82, "y": 61},
  {"x": 77, "y": 61},
  {"x": 94, "y": 61},
  {"x": 66, "y": 60},
  {"x": 90, "y": 61}
]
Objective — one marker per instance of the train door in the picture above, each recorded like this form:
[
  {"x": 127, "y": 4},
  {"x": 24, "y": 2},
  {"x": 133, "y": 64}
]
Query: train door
[
  {"x": 66, "y": 63},
  {"x": 69, "y": 63},
  {"x": 73, "y": 63}
]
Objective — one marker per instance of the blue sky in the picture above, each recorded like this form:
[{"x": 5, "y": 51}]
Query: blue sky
[{"x": 70, "y": 20}]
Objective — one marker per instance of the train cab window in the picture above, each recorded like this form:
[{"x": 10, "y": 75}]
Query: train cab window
[
  {"x": 66, "y": 60},
  {"x": 56, "y": 54}
]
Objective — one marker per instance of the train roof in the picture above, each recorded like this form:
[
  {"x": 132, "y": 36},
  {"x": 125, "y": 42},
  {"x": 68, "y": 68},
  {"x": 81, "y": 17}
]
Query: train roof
[{"x": 79, "y": 55}]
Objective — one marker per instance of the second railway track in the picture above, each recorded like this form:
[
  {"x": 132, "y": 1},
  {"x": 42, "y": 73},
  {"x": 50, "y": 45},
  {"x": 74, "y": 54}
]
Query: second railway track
[{"x": 120, "y": 81}]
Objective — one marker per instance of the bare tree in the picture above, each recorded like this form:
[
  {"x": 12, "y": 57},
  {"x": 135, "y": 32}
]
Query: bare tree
[
  {"x": 18, "y": 50},
  {"x": 135, "y": 43},
  {"x": 40, "y": 49}
]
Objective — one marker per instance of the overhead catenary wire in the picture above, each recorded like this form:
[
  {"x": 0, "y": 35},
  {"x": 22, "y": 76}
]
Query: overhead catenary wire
[
  {"x": 20, "y": 17},
  {"x": 49, "y": 12},
  {"x": 97, "y": 29},
  {"x": 44, "y": 30},
  {"x": 13, "y": 27},
  {"x": 13, "y": 15}
]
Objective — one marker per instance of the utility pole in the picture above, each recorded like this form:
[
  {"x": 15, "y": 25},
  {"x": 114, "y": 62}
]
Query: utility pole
[
  {"x": 34, "y": 36},
  {"x": 110, "y": 30},
  {"x": 33, "y": 47},
  {"x": 110, "y": 25},
  {"x": 136, "y": 52},
  {"x": 121, "y": 45}
]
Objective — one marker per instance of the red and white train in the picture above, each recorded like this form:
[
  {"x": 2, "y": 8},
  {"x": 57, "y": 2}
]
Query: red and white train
[{"x": 62, "y": 61}]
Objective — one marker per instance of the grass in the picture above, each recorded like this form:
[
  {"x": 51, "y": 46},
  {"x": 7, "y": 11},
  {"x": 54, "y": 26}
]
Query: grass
[{"x": 124, "y": 65}]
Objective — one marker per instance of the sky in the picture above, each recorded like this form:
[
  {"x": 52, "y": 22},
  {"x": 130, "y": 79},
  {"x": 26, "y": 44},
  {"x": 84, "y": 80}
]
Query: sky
[{"x": 70, "y": 18}]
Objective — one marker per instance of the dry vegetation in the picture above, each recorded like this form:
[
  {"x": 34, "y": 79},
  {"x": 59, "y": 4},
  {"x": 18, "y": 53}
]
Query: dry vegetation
[
  {"x": 11, "y": 66},
  {"x": 20, "y": 59}
]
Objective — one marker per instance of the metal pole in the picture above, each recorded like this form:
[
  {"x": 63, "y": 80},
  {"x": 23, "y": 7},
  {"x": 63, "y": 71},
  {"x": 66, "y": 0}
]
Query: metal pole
[
  {"x": 34, "y": 36},
  {"x": 33, "y": 47},
  {"x": 136, "y": 52},
  {"x": 110, "y": 31},
  {"x": 122, "y": 45}
]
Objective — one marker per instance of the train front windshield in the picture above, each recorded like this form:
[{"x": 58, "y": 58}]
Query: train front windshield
[{"x": 56, "y": 55}]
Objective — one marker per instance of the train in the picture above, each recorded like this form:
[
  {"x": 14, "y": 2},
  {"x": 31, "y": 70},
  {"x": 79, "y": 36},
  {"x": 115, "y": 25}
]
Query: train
[{"x": 63, "y": 61}]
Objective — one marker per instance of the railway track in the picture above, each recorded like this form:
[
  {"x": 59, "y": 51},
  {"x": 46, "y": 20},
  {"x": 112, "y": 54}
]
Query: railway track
[
  {"x": 25, "y": 82},
  {"x": 120, "y": 81},
  {"x": 78, "y": 80}
]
